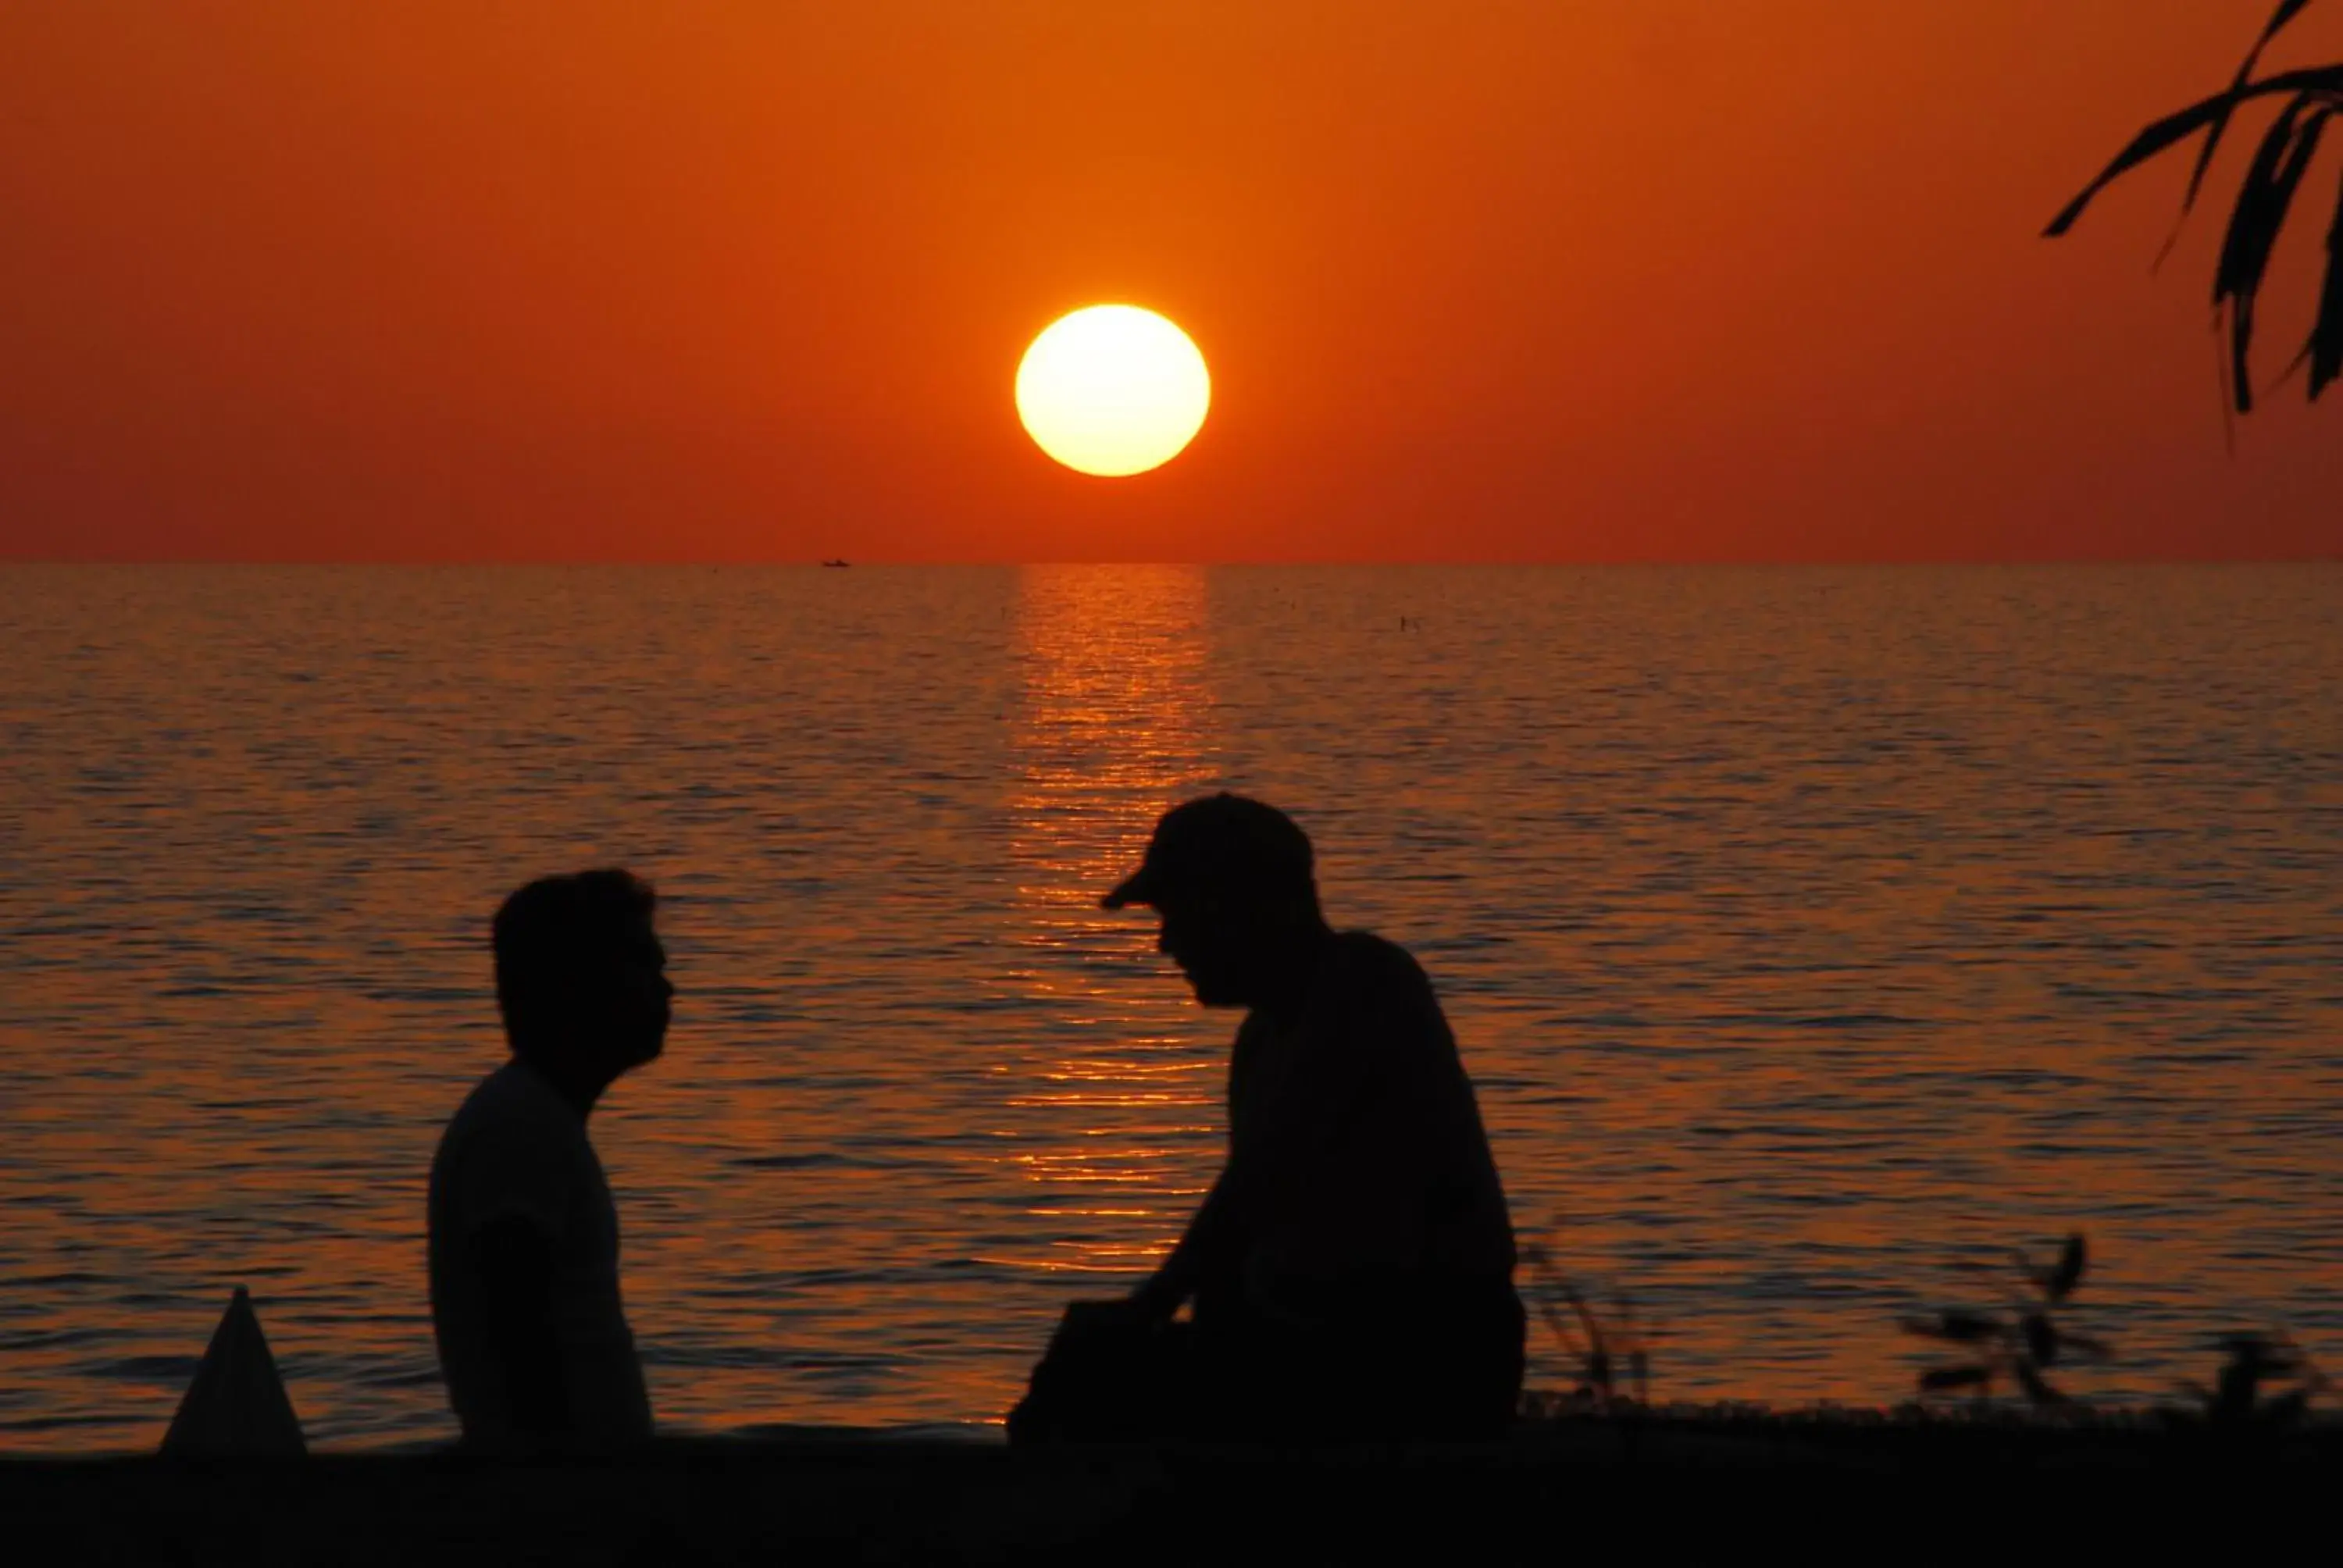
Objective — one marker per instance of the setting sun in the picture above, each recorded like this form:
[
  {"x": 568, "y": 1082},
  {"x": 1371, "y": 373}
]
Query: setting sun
[{"x": 1112, "y": 389}]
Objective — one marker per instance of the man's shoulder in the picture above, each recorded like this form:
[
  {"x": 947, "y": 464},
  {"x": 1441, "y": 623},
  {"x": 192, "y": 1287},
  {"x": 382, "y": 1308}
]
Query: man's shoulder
[
  {"x": 1371, "y": 987},
  {"x": 1363, "y": 961},
  {"x": 515, "y": 1147},
  {"x": 514, "y": 1102},
  {"x": 512, "y": 1089}
]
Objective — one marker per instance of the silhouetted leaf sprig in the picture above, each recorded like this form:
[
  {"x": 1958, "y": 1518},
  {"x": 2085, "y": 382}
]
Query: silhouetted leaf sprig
[
  {"x": 2253, "y": 1362},
  {"x": 1606, "y": 1346},
  {"x": 2312, "y": 97},
  {"x": 2018, "y": 1346}
]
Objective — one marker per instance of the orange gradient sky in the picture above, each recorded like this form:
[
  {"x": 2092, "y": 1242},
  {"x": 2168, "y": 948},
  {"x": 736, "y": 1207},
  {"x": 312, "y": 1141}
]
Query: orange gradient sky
[{"x": 1534, "y": 280}]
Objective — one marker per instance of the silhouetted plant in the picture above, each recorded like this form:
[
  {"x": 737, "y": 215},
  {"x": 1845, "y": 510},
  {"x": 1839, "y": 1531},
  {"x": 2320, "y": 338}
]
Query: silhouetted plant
[
  {"x": 2251, "y": 1363},
  {"x": 1603, "y": 1346},
  {"x": 2019, "y": 1345},
  {"x": 2312, "y": 98}
]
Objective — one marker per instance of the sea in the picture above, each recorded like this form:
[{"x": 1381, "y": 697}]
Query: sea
[{"x": 1818, "y": 941}]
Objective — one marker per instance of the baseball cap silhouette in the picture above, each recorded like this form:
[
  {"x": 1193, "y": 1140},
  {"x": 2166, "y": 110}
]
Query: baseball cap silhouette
[{"x": 1220, "y": 844}]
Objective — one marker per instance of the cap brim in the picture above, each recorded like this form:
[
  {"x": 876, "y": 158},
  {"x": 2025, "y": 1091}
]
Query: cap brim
[{"x": 1139, "y": 888}]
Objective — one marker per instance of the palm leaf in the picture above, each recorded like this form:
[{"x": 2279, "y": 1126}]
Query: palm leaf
[
  {"x": 2326, "y": 346},
  {"x": 2265, "y": 199},
  {"x": 2263, "y": 202},
  {"x": 2287, "y": 12},
  {"x": 2177, "y": 126}
]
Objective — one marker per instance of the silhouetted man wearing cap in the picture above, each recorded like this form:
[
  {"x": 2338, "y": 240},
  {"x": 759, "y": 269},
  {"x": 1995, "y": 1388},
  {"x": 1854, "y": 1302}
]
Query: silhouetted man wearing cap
[{"x": 1351, "y": 1268}]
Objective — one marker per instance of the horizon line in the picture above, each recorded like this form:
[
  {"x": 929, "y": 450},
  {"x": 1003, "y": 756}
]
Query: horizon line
[{"x": 810, "y": 562}]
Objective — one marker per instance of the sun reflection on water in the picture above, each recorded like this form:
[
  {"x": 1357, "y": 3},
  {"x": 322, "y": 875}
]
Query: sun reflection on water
[{"x": 1116, "y": 1106}]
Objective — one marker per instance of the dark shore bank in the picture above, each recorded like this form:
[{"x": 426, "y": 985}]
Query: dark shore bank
[{"x": 1667, "y": 1487}]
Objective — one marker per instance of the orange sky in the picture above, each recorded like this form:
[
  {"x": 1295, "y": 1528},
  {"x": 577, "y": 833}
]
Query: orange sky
[{"x": 1538, "y": 279}]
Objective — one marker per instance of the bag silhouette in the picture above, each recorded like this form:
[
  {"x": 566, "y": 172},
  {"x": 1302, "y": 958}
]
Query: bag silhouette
[{"x": 1110, "y": 1375}]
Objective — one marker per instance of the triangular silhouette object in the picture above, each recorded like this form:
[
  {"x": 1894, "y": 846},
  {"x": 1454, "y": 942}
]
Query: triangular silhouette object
[{"x": 237, "y": 1405}]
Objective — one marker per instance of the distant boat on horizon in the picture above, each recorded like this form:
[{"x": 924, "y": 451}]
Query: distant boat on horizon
[{"x": 838, "y": 563}]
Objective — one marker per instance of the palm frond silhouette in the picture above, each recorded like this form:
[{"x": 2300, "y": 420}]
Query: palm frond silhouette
[{"x": 2311, "y": 97}]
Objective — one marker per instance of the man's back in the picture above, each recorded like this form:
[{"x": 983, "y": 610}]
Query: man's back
[
  {"x": 515, "y": 1160},
  {"x": 1366, "y": 1165}
]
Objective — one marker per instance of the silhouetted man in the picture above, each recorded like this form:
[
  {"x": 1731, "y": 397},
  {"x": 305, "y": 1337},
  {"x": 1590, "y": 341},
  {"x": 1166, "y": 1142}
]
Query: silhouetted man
[
  {"x": 1351, "y": 1268},
  {"x": 524, "y": 1238}
]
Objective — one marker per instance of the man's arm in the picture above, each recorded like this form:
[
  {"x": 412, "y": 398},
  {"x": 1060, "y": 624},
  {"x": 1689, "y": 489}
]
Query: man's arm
[
  {"x": 1203, "y": 1250},
  {"x": 1297, "y": 1110},
  {"x": 514, "y": 1260},
  {"x": 1296, "y": 1118},
  {"x": 1301, "y": 1098}
]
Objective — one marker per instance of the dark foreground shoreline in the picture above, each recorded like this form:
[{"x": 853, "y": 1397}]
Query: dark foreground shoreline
[{"x": 1671, "y": 1488}]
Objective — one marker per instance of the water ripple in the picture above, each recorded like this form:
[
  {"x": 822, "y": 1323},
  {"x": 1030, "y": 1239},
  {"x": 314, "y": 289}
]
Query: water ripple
[{"x": 1814, "y": 937}]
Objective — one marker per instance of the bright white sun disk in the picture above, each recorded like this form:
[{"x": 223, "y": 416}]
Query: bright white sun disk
[{"x": 1112, "y": 389}]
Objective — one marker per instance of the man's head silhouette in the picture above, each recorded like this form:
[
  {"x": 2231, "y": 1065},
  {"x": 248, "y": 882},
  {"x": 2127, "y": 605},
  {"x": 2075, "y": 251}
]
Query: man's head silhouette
[
  {"x": 581, "y": 978},
  {"x": 1232, "y": 879}
]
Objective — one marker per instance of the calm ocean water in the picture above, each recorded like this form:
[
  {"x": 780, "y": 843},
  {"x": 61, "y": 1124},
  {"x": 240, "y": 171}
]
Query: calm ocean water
[{"x": 1813, "y": 936}]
